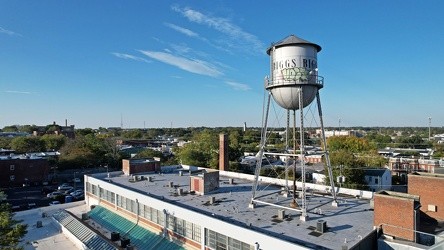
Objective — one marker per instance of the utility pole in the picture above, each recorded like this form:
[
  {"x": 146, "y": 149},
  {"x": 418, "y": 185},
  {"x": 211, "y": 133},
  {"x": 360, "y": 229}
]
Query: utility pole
[
  {"x": 339, "y": 125},
  {"x": 430, "y": 123}
]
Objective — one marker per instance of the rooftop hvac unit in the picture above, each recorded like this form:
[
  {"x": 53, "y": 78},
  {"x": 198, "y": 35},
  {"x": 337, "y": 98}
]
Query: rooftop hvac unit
[
  {"x": 115, "y": 236},
  {"x": 39, "y": 224},
  {"x": 85, "y": 216},
  {"x": 281, "y": 214},
  {"x": 321, "y": 226},
  {"x": 124, "y": 242}
]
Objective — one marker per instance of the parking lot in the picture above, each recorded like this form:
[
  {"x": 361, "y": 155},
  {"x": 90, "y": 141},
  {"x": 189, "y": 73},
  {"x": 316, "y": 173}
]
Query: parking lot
[{"x": 22, "y": 196}]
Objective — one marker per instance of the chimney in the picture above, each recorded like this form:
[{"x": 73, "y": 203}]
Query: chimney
[{"x": 223, "y": 152}]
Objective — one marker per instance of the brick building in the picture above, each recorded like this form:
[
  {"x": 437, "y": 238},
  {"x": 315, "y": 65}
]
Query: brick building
[
  {"x": 405, "y": 216},
  {"x": 68, "y": 131},
  {"x": 314, "y": 158},
  {"x": 133, "y": 166},
  {"x": 402, "y": 166},
  {"x": 19, "y": 172},
  {"x": 396, "y": 214},
  {"x": 430, "y": 188},
  {"x": 205, "y": 182}
]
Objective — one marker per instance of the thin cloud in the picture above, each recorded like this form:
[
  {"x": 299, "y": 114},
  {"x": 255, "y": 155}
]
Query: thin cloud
[
  {"x": 197, "y": 36},
  {"x": 127, "y": 56},
  {"x": 180, "y": 49},
  {"x": 182, "y": 30},
  {"x": 8, "y": 32},
  {"x": 243, "y": 39},
  {"x": 239, "y": 86},
  {"x": 18, "y": 92},
  {"x": 190, "y": 65}
]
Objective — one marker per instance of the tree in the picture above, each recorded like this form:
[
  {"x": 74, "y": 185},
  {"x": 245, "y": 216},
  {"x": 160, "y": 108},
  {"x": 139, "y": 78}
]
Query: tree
[
  {"x": 234, "y": 150},
  {"x": 29, "y": 128},
  {"x": 149, "y": 153},
  {"x": 132, "y": 134},
  {"x": 5, "y": 142},
  {"x": 53, "y": 142},
  {"x": 28, "y": 144},
  {"x": 12, "y": 128},
  {"x": 83, "y": 151},
  {"x": 380, "y": 140},
  {"x": 11, "y": 231},
  {"x": 414, "y": 141},
  {"x": 51, "y": 128},
  {"x": 345, "y": 163},
  {"x": 350, "y": 143},
  {"x": 84, "y": 132},
  {"x": 113, "y": 155},
  {"x": 202, "y": 151}
]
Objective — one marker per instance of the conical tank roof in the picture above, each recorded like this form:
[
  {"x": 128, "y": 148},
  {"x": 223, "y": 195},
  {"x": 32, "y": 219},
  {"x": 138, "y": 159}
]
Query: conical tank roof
[{"x": 292, "y": 39}]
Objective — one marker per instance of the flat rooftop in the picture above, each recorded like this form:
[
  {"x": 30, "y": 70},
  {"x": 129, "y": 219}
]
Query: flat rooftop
[
  {"x": 346, "y": 224},
  {"x": 48, "y": 236}
]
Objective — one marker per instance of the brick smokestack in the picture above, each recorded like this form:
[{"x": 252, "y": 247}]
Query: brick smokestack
[{"x": 223, "y": 152}]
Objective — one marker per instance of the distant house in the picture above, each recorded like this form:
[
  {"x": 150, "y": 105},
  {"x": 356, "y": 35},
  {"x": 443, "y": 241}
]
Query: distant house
[
  {"x": 314, "y": 158},
  {"x": 329, "y": 133},
  {"x": 402, "y": 166},
  {"x": 378, "y": 179},
  {"x": 319, "y": 177},
  {"x": 401, "y": 152},
  {"x": 439, "y": 138}
]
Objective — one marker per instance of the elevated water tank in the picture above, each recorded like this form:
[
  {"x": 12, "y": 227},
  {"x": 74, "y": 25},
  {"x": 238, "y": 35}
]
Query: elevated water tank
[{"x": 293, "y": 66}]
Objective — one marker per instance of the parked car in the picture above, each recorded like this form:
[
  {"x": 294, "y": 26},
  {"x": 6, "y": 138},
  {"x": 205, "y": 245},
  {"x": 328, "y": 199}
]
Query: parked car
[
  {"x": 80, "y": 197},
  {"x": 68, "y": 191},
  {"x": 65, "y": 186},
  {"x": 76, "y": 180},
  {"x": 53, "y": 194},
  {"x": 77, "y": 193},
  {"x": 53, "y": 203}
]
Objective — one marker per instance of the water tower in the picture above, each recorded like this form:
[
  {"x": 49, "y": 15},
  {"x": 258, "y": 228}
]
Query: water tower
[{"x": 293, "y": 85}]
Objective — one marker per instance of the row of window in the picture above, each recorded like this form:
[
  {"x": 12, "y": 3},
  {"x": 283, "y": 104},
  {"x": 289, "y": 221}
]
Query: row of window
[
  {"x": 184, "y": 228},
  {"x": 408, "y": 167},
  {"x": 218, "y": 241}
]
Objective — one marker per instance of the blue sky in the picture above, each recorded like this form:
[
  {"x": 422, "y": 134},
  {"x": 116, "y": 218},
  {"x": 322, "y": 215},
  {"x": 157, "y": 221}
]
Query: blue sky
[{"x": 202, "y": 63}]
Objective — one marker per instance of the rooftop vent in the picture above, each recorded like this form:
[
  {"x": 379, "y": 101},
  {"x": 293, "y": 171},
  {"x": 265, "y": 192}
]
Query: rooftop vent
[{"x": 321, "y": 226}]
